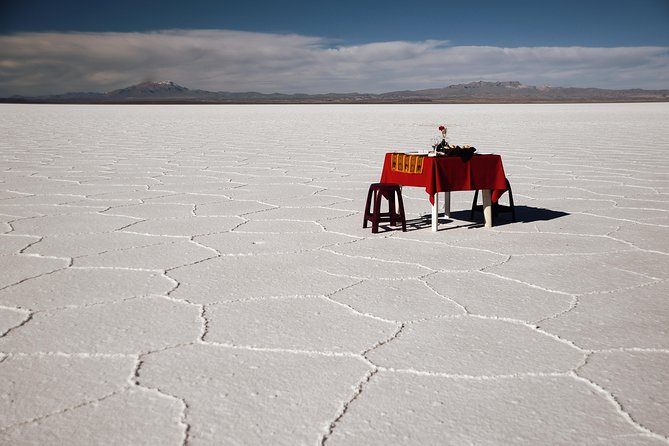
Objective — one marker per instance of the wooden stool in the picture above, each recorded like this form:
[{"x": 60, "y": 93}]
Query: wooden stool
[
  {"x": 388, "y": 191},
  {"x": 496, "y": 207}
]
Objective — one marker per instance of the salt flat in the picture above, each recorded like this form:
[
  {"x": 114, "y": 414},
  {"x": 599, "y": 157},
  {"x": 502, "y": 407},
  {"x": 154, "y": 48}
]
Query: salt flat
[{"x": 200, "y": 275}]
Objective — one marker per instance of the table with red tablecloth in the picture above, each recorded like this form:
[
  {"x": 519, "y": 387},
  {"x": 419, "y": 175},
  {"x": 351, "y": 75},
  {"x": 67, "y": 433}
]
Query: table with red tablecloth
[{"x": 453, "y": 173}]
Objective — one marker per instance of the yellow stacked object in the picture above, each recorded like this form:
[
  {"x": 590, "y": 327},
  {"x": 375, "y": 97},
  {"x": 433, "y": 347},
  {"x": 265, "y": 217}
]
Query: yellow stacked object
[{"x": 401, "y": 162}]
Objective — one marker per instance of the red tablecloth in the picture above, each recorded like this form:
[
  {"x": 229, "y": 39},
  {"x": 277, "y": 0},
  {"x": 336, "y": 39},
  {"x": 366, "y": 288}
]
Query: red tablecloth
[{"x": 451, "y": 173}]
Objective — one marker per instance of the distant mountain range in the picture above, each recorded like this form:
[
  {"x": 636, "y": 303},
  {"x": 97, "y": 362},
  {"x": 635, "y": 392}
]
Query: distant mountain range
[{"x": 167, "y": 92}]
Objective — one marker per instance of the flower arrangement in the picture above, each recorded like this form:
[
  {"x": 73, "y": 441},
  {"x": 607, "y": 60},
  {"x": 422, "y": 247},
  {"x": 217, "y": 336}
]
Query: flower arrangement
[
  {"x": 443, "y": 130},
  {"x": 443, "y": 144},
  {"x": 444, "y": 148}
]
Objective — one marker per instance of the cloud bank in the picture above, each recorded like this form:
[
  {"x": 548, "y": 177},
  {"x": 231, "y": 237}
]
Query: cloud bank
[{"x": 222, "y": 60}]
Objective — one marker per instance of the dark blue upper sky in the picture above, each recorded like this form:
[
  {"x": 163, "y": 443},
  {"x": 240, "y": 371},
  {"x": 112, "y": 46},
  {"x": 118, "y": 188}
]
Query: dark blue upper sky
[{"x": 509, "y": 23}]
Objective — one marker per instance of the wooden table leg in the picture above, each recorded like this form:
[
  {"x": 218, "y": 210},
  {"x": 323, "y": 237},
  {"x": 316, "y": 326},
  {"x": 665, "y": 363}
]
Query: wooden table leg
[
  {"x": 487, "y": 207},
  {"x": 435, "y": 212},
  {"x": 447, "y": 204}
]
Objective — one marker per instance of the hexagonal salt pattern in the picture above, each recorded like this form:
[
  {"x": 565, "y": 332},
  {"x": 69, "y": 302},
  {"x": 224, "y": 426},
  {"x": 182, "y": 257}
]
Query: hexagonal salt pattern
[
  {"x": 76, "y": 287},
  {"x": 487, "y": 294},
  {"x": 131, "y": 417},
  {"x": 637, "y": 380},
  {"x": 628, "y": 318},
  {"x": 15, "y": 244},
  {"x": 416, "y": 409},
  {"x": 312, "y": 324},
  {"x": 67, "y": 224},
  {"x": 168, "y": 275},
  {"x": 11, "y": 318},
  {"x": 467, "y": 345},
  {"x": 397, "y": 300},
  {"x": 262, "y": 396},
  {"x": 54, "y": 384},
  {"x": 128, "y": 326},
  {"x": 18, "y": 268}
]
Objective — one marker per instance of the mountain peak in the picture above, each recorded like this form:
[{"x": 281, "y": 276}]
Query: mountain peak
[
  {"x": 161, "y": 84},
  {"x": 149, "y": 89},
  {"x": 487, "y": 84}
]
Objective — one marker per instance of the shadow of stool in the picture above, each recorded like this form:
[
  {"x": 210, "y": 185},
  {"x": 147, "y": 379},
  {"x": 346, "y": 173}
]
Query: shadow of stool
[
  {"x": 496, "y": 207},
  {"x": 377, "y": 191}
]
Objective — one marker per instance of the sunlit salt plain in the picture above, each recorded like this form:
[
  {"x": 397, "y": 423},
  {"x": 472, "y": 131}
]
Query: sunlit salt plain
[{"x": 200, "y": 275}]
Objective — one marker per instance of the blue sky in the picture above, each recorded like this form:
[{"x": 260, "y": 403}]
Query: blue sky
[{"x": 340, "y": 45}]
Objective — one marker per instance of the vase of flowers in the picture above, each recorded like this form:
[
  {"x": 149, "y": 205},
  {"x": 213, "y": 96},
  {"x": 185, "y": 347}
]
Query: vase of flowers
[
  {"x": 444, "y": 148},
  {"x": 443, "y": 130},
  {"x": 441, "y": 146}
]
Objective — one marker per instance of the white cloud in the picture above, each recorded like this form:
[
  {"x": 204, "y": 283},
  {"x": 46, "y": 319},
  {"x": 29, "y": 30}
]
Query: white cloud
[{"x": 220, "y": 60}]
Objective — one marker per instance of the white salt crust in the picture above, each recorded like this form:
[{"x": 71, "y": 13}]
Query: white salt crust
[{"x": 200, "y": 275}]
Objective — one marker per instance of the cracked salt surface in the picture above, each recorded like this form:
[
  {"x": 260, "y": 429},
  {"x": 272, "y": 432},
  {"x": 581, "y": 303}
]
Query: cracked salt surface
[{"x": 169, "y": 278}]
